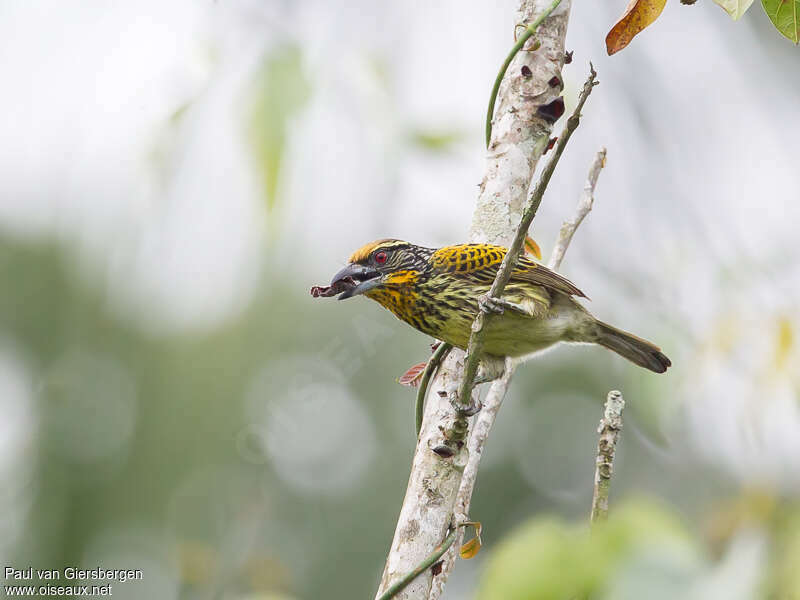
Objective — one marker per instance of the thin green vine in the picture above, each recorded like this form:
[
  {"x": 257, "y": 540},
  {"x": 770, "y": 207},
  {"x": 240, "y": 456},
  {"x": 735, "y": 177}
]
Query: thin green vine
[{"x": 429, "y": 561}]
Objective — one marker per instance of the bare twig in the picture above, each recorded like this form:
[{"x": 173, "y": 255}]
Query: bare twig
[
  {"x": 475, "y": 346},
  {"x": 522, "y": 127},
  {"x": 609, "y": 430},
  {"x": 584, "y": 206},
  {"x": 497, "y": 391}
]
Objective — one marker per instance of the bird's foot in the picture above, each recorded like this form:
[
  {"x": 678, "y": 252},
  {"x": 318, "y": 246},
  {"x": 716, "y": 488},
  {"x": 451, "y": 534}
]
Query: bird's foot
[
  {"x": 498, "y": 306},
  {"x": 488, "y": 304},
  {"x": 473, "y": 408}
]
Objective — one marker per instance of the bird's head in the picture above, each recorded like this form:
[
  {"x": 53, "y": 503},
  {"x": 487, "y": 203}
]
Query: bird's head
[{"x": 379, "y": 264}]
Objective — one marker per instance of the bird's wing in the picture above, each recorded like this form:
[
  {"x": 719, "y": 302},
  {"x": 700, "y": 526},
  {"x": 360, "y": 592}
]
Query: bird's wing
[
  {"x": 483, "y": 260},
  {"x": 527, "y": 270}
]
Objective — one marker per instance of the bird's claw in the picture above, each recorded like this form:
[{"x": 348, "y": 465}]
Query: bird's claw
[
  {"x": 473, "y": 408},
  {"x": 499, "y": 305},
  {"x": 489, "y": 304}
]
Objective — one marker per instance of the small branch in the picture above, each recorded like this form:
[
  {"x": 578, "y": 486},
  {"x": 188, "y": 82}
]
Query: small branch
[
  {"x": 484, "y": 421},
  {"x": 474, "y": 348},
  {"x": 529, "y": 31},
  {"x": 584, "y": 206},
  {"x": 609, "y": 430},
  {"x": 430, "y": 369},
  {"x": 497, "y": 391},
  {"x": 521, "y": 130}
]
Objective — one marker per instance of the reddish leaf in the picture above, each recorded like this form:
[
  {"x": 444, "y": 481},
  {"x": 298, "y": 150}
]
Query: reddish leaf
[
  {"x": 413, "y": 375},
  {"x": 551, "y": 112},
  {"x": 638, "y": 15}
]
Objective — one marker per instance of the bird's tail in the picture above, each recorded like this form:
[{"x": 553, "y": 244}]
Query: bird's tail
[{"x": 635, "y": 349}]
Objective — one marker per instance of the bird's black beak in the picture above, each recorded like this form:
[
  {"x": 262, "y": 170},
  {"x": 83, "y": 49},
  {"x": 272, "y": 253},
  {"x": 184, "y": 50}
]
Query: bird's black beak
[{"x": 365, "y": 279}]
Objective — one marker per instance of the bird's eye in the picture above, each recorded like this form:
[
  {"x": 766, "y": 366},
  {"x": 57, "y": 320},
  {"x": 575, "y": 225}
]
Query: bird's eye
[{"x": 380, "y": 258}]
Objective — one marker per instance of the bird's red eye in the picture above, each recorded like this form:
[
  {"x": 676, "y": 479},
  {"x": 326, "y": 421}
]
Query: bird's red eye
[{"x": 380, "y": 258}]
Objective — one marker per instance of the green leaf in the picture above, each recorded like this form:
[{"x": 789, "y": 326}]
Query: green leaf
[
  {"x": 785, "y": 15},
  {"x": 735, "y": 8},
  {"x": 435, "y": 141},
  {"x": 531, "y": 564},
  {"x": 546, "y": 559},
  {"x": 281, "y": 90}
]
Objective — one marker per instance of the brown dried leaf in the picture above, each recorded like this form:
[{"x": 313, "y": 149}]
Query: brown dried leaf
[
  {"x": 638, "y": 15},
  {"x": 413, "y": 375}
]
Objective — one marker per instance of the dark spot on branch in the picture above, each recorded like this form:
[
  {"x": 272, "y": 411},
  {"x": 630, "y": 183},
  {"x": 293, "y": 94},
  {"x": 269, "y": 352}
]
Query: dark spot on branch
[
  {"x": 555, "y": 81},
  {"x": 568, "y": 57},
  {"x": 436, "y": 569},
  {"x": 443, "y": 451},
  {"x": 550, "y": 144},
  {"x": 526, "y": 72},
  {"x": 551, "y": 112},
  {"x": 411, "y": 530}
]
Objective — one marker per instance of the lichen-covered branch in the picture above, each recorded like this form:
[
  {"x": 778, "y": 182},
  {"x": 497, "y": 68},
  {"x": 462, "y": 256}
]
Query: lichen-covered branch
[
  {"x": 522, "y": 126},
  {"x": 585, "y": 204},
  {"x": 475, "y": 346},
  {"x": 498, "y": 389},
  {"x": 401, "y": 584},
  {"x": 430, "y": 368},
  {"x": 484, "y": 421},
  {"x": 609, "y": 430},
  {"x": 530, "y": 30},
  {"x": 528, "y": 103}
]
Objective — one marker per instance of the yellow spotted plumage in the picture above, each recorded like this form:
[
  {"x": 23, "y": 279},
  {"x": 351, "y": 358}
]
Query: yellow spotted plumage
[{"x": 436, "y": 291}]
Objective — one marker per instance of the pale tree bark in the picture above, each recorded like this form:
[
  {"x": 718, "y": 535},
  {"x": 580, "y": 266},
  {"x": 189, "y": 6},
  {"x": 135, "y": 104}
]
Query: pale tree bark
[
  {"x": 494, "y": 398},
  {"x": 609, "y": 430},
  {"x": 447, "y": 445}
]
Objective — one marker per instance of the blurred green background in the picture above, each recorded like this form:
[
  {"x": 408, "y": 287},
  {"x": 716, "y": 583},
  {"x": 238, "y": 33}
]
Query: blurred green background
[{"x": 175, "y": 178}]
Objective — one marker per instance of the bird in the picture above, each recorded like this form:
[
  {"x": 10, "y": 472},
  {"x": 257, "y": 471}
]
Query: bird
[{"x": 439, "y": 291}]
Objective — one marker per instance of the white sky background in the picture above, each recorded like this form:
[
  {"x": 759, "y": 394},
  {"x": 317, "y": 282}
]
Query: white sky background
[
  {"x": 694, "y": 230},
  {"x": 697, "y": 116}
]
